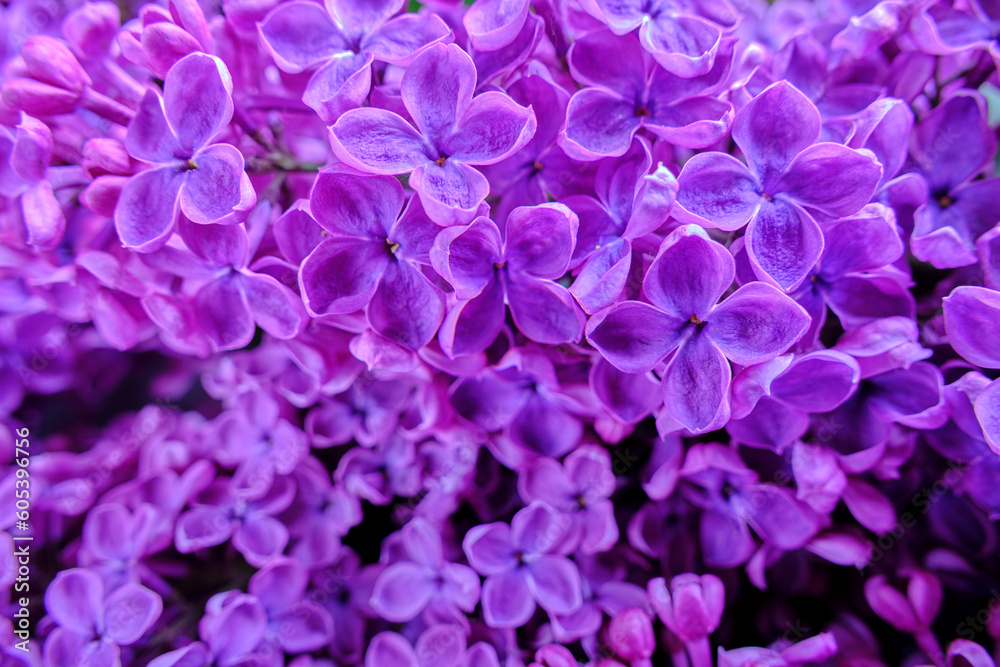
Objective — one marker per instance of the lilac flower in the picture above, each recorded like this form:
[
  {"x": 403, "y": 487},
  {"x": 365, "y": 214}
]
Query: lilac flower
[
  {"x": 424, "y": 581},
  {"x": 523, "y": 563},
  {"x": 683, "y": 284},
  {"x": 320, "y": 516},
  {"x": 972, "y": 318},
  {"x": 732, "y": 500},
  {"x": 624, "y": 87},
  {"x": 579, "y": 487},
  {"x": 259, "y": 443},
  {"x": 92, "y": 625},
  {"x": 221, "y": 513},
  {"x": 294, "y": 624},
  {"x": 372, "y": 258},
  {"x": 379, "y": 474},
  {"x": 230, "y": 633},
  {"x": 523, "y": 397},
  {"x": 789, "y": 183},
  {"x": 781, "y": 394},
  {"x": 344, "y": 37},
  {"x": 115, "y": 542},
  {"x": 691, "y": 608},
  {"x": 204, "y": 181},
  {"x": 519, "y": 267},
  {"x": 231, "y": 299},
  {"x": 953, "y": 145},
  {"x": 453, "y": 131},
  {"x": 683, "y": 36}
]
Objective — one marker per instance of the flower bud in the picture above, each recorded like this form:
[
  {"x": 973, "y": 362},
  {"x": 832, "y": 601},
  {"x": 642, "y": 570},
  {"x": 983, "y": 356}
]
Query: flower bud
[
  {"x": 50, "y": 61},
  {"x": 92, "y": 27},
  {"x": 911, "y": 613},
  {"x": 692, "y": 607},
  {"x": 631, "y": 634}
]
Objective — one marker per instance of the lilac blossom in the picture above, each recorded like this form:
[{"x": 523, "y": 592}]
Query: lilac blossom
[
  {"x": 451, "y": 132},
  {"x": 204, "y": 181},
  {"x": 638, "y": 95},
  {"x": 524, "y": 564},
  {"x": 371, "y": 260},
  {"x": 499, "y": 332},
  {"x": 789, "y": 181},
  {"x": 93, "y": 624},
  {"x": 683, "y": 286},
  {"x": 342, "y": 38},
  {"x": 519, "y": 267}
]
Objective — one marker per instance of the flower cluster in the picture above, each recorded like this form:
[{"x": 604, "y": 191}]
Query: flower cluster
[{"x": 534, "y": 333}]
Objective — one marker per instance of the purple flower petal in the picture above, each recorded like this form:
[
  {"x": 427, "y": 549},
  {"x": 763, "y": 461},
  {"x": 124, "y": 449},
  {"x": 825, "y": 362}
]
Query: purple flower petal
[
  {"x": 784, "y": 243},
  {"x": 378, "y": 142},
  {"x": 774, "y": 127},
  {"x": 299, "y": 34},
  {"x": 756, "y": 323},
  {"x": 634, "y": 336},
  {"x": 350, "y": 204},
  {"x": 217, "y": 190},
  {"x": 75, "y": 601},
  {"x": 129, "y": 612},
  {"x": 493, "y": 127},
  {"x": 972, "y": 320},
  {"x": 450, "y": 194},
  {"x": 340, "y": 276},
  {"x": 147, "y": 209},
  {"x": 197, "y": 98},
  {"x": 437, "y": 89},
  {"x": 696, "y": 385},
  {"x": 400, "y": 39},
  {"x": 829, "y": 178},
  {"x": 402, "y": 591},
  {"x": 407, "y": 308},
  {"x": 507, "y": 599},
  {"x": 554, "y": 582},
  {"x": 689, "y": 275},
  {"x": 717, "y": 190}
]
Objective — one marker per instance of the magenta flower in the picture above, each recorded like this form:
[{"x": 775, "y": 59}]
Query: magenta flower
[
  {"x": 372, "y": 258},
  {"x": 518, "y": 267},
  {"x": 683, "y": 285},
  {"x": 91, "y": 624},
  {"x": 633, "y": 94},
  {"x": 204, "y": 181},
  {"x": 424, "y": 581},
  {"x": 683, "y": 36},
  {"x": 789, "y": 182},
  {"x": 579, "y": 487},
  {"x": 523, "y": 563},
  {"x": 451, "y": 131},
  {"x": 343, "y": 38}
]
